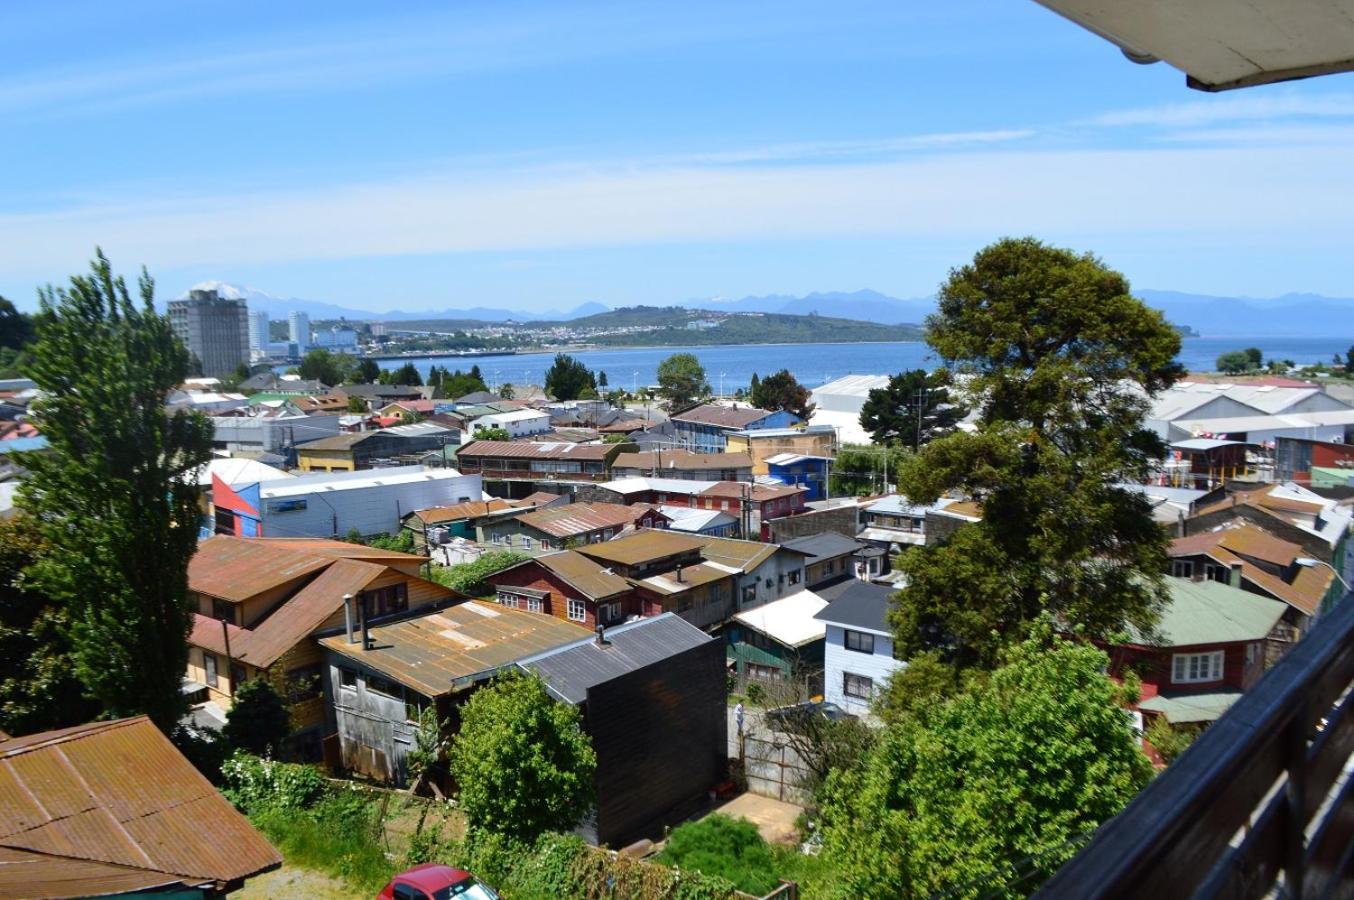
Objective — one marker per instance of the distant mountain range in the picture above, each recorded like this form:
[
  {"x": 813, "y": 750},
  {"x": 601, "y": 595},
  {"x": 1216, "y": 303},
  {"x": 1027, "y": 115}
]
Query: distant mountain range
[{"x": 1291, "y": 315}]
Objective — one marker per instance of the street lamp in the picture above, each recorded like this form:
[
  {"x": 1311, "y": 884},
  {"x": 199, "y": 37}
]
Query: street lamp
[{"x": 721, "y": 384}]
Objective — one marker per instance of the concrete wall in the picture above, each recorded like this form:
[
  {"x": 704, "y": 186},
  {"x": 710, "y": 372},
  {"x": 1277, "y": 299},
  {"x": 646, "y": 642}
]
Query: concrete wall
[{"x": 844, "y": 520}]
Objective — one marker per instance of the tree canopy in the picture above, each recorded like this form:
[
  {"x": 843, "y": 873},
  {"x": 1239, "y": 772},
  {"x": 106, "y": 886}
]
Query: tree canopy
[
  {"x": 407, "y": 374},
  {"x": 681, "y": 378},
  {"x": 116, "y": 491},
  {"x": 367, "y": 371},
  {"x": 450, "y": 385},
  {"x": 1061, "y": 361},
  {"x": 912, "y": 409},
  {"x": 331, "y": 368},
  {"x": 257, "y": 721},
  {"x": 567, "y": 378},
  {"x": 782, "y": 391},
  {"x": 521, "y": 760},
  {"x": 988, "y": 792}
]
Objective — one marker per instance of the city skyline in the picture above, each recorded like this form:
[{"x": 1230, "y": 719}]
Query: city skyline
[{"x": 540, "y": 158}]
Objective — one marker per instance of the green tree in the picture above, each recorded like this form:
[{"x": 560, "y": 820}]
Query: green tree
[
  {"x": 407, "y": 374},
  {"x": 567, "y": 378},
  {"x": 782, "y": 391},
  {"x": 681, "y": 379},
  {"x": 1233, "y": 362},
  {"x": 1349, "y": 361},
  {"x": 321, "y": 365},
  {"x": 860, "y": 470},
  {"x": 601, "y": 381},
  {"x": 998, "y": 783},
  {"x": 16, "y": 328},
  {"x": 505, "y": 390},
  {"x": 1064, "y": 360},
  {"x": 357, "y": 405},
  {"x": 492, "y": 434},
  {"x": 724, "y": 847},
  {"x": 912, "y": 409},
  {"x": 38, "y": 687},
  {"x": 1255, "y": 357},
  {"x": 755, "y": 385},
  {"x": 258, "y": 721},
  {"x": 468, "y": 578},
  {"x": 521, "y": 760},
  {"x": 366, "y": 372},
  {"x": 115, "y": 491}
]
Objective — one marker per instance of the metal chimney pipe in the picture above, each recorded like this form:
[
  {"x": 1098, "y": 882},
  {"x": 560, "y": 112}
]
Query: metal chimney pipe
[{"x": 348, "y": 616}]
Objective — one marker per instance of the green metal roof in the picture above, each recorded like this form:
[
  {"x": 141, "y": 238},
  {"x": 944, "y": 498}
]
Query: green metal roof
[
  {"x": 1210, "y": 612},
  {"x": 1331, "y": 476},
  {"x": 1191, "y": 707}
]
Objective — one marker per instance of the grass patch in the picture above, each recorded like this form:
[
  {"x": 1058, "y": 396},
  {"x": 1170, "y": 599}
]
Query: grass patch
[{"x": 339, "y": 836}]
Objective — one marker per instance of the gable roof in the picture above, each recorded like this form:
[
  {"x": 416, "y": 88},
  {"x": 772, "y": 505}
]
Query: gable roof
[
  {"x": 1231, "y": 546},
  {"x": 861, "y": 605},
  {"x": 1209, "y": 612},
  {"x": 471, "y": 509},
  {"x": 824, "y": 545},
  {"x": 534, "y": 450},
  {"x": 587, "y": 576},
  {"x": 744, "y": 556},
  {"x": 237, "y": 568},
  {"x": 791, "y": 621},
  {"x": 722, "y": 416},
  {"x": 642, "y": 546},
  {"x": 758, "y": 493},
  {"x": 580, "y": 518},
  {"x": 116, "y": 801},
  {"x": 571, "y": 670}
]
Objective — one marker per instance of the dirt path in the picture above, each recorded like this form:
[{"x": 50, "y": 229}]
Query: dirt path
[{"x": 293, "y": 883}]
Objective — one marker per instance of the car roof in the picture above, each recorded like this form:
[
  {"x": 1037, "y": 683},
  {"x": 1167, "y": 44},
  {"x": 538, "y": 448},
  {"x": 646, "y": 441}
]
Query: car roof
[{"x": 431, "y": 876}]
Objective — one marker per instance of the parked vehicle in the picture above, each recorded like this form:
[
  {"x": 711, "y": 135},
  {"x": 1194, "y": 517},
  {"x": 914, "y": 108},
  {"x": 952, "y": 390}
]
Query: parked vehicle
[
  {"x": 790, "y": 718},
  {"x": 433, "y": 881}
]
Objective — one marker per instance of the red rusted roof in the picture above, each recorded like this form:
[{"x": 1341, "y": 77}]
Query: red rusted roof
[
  {"x": 115, "y": 804},
  {"x": 759, "y": 493},
  {"x": 580, "y": 518},
  {"x": 237, "y": 568}
]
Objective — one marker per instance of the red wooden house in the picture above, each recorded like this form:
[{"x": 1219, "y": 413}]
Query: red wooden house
[{"x": 569, "y": 586}]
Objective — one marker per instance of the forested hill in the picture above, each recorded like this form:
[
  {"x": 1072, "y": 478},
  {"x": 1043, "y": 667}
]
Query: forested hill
[{"x": 648, "y": 325}]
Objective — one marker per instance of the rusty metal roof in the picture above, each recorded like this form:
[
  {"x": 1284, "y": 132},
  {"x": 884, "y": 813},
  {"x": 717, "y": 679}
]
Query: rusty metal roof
[
  {"x": 531, "y": 450},
  {"x": 471, "y": 509},
  {"x": 758, "y": 493},
  {"x": 1229, "y": 546},
  {"x": 40, "y": 876},
  {"x": 236, "y": 568},
  {"x": 119, "y": 793},
  {"x": 451, "y": 649},
  {"x": 642, "y": 546},
  {"x": 721, "y": 416},
  {"x": 590, "y": 577},
  {"x": 742, "y": 555},
  {"x": 668, "y": 583},
  {"x": 581, "y": 518}
]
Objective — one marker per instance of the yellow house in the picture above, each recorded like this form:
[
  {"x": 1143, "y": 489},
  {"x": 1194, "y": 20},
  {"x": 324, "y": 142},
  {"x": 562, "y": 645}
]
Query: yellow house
[
  {"x": 760, "y": 444},
  {"x": 260, "y": 601}
]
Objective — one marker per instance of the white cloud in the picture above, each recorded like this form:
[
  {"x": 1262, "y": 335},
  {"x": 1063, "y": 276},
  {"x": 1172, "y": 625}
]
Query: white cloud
[
  {"x": 1293, "y": 198},
  {"x": 1233, "y": 108}
]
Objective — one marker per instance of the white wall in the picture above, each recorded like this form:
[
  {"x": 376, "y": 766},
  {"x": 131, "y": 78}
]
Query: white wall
[
  {"x": 520, "y": 428},
  {"x": 837, "y": 659},
  {"x": 371, "y": 510},
  {"x": 780, "y": 563}
]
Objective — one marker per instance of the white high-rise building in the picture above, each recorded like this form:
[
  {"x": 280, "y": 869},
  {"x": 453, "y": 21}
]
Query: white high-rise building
[
  {"x": 300, "y": 331},
  {"x": 258, "y": 333}
]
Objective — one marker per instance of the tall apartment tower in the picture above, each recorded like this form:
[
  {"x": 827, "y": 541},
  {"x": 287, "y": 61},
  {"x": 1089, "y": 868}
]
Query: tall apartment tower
[
  {"x": 215, "y": 330},
  {"x": 300, "y": 331},
  {"x": 258, "y": 333}
]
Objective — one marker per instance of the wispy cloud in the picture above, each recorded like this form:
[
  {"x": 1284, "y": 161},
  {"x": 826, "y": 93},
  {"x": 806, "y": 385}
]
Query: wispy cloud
[
  {"x": 838, "y": 150},
  {"x": 1329, "y": 135},
  {"x": 1187, "y": 191},
  {"x": 1238, "y": 108}
]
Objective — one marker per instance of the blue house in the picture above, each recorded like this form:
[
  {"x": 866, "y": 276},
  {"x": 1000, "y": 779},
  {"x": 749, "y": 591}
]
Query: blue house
[
  {"x": 797, "y": 468},
  {"x": 706, "y": 428}
]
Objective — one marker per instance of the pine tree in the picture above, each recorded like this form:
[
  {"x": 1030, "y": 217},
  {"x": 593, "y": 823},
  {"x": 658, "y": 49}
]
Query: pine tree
[{"x": 116, "y": 491}]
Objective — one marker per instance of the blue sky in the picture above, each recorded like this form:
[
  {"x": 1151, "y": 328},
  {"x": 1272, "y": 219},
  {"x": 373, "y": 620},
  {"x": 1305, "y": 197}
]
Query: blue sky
[{"x": 543, "y": 155}]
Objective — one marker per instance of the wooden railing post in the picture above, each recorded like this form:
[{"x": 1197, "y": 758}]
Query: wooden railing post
[{"x": 1295, "y": 835}]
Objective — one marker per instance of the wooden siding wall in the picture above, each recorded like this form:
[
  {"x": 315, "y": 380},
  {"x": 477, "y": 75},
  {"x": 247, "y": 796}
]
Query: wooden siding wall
[{"x": 661, "y": 739}]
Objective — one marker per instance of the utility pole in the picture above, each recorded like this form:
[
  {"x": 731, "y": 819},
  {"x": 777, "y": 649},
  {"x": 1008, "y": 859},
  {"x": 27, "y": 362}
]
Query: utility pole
[{"x": 919, "y": 396}]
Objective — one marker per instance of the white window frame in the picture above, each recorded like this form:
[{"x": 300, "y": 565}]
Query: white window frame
[
  {"x": 535, "y": 605},
  {"x": 1197, "y": 668},
  {"x": 850, "y": 678},
  {"x": 576, "y": 610},
  {"x": 507, "y": 599},
  {"x": 609, "y": 612},
  {"x": 526, "y": 542}
]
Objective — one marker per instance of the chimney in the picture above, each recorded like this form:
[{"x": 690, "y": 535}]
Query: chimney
[
  {"x": 601, "y": 636},
  {"x": 1234, "y": 575},
  {"x": 348, "y": 617},
  {"x": 679, "y": 572}
]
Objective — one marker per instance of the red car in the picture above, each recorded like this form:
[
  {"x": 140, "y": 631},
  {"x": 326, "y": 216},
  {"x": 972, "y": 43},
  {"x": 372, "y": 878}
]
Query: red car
[{"x": 433, "y": 881}]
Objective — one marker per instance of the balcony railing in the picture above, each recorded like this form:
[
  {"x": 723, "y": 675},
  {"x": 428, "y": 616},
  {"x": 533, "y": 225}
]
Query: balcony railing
[{"x": 1261, "y": 803}]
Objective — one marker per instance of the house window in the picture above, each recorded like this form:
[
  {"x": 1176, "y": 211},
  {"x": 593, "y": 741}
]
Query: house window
[
  {"x": 508, "y": 600},
  {"x": 611, "y": 612},
  {"x": 795, "y": 576},
  {"x": 303, "y": 683},
  {"x": 534, "y": 604},
  {"x": 223, "y": 610},
  {"x": 1190, "y": 668},
  {"x": 578, "y": 610},
  {"x": 857, "y": 686},
  {"x": 385, "y": 686},
  {"x": 749, "y": 594},
  {"x": 209, "y": 663},
  {"x": 1182, "y": 568},
  {"x": 526, "y": 542},
  {"x": 348, "y": 677},
  {"x": 829, "y": 566},
  {"x": 766, "y": 673},
  {"x": 1215, "y": 573},
  {"x": 859, "y": 641},
  {"x": 384, "y": 601},
  {"x": 497, "y": 539}
]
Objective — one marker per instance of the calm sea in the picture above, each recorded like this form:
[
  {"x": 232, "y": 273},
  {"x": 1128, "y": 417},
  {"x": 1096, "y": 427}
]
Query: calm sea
[{"x": 814, "y": 364}]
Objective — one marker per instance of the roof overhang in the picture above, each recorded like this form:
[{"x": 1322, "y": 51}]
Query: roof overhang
[{"x": 1222, "y": 44}]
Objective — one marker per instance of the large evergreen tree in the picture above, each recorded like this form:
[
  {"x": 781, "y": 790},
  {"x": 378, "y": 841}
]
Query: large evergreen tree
[
  {"x": 567, "y": 378},
  {"x": 116, "y": 491},
  {"x": 782, "y": 391},
  {"x": 1062, "y": 361},
  {"x": 912, "y": 409}
]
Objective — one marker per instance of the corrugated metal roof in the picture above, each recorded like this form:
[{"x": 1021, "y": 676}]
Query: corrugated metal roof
[
  {"x": 1187, "y": 708},
  {"x": 668, "y": 584},
  {"x": 463, "y": 643},
  {"x": 236, "y": 568},
  {"x": 532, "y": 450},
  {"x": 665, "y": 485},
  {"x": 642, "y": 546},
  {"x": 857, "y": 604},
  {"x": 579, "y": 518},
  {"x": 472, "y": 509},
  {"x": 758, "y": 493},
  {"x": 822, "y": 545},
  {"x": 572, "y": 669},
  {"x": 741, "y": 555},
  {"x": 789, "y": 621},
  {"x": 1209, "y": 612},
  {"x": 1229, "y": 546},
  {"x": 120, "y": 793},
  {"x": 591, "y": 578},
  {"x": 722, "y": 416},
  {"x": 41, "y": 876}
]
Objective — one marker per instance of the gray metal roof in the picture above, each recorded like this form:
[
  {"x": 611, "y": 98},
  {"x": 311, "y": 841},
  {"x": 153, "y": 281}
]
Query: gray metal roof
[
  {"x": 574, "y": 668},
  {"x": 824, "y": 545},
  {"x": 857, "y": 604}
]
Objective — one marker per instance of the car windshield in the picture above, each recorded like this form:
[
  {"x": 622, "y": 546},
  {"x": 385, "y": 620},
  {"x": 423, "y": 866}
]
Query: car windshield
[{"x": 466, "y": 890}]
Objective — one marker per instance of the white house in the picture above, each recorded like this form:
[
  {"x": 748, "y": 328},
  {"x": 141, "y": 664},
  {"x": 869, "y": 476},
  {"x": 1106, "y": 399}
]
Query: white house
[
  {"x": 858, "y": 656},
  {"x": 518, "y": 423}
]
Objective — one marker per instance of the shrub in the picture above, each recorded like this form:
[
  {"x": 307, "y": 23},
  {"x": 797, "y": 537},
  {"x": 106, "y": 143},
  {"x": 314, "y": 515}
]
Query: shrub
[
  {"x": 468, "y": 578},
  {"x": 255, "y": 784},
  {"x": 724, "y": 847},
  {"x": 1170, "y": 740},
  {"x": 258, "y": 721}
]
